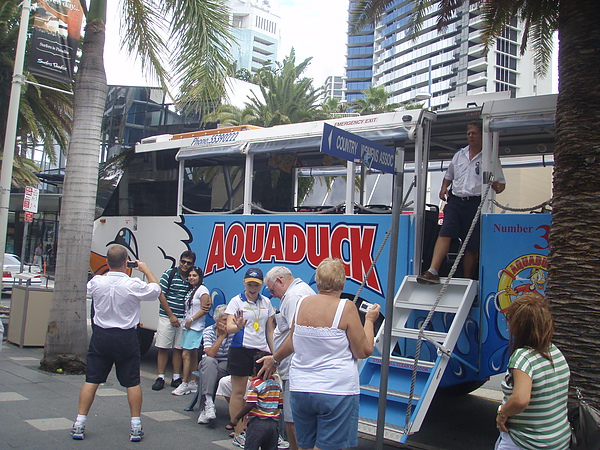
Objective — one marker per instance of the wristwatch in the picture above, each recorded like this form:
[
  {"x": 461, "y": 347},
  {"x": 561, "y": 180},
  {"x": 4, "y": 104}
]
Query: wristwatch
[{"x": 275, "y": 362}]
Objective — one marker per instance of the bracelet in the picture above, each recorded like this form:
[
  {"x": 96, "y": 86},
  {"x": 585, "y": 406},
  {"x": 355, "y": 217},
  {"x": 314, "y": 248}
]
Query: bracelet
[
  {"x": 500, "y": 413},
  {"x": 275, "y": 362}
]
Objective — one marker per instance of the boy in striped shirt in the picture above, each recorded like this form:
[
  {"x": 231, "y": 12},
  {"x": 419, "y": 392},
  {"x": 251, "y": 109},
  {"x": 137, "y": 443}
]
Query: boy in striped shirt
[{"x": 263, "y": 402}]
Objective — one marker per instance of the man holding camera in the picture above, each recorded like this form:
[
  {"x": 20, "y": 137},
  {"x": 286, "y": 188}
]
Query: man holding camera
[{"x": 116, "y": 302}]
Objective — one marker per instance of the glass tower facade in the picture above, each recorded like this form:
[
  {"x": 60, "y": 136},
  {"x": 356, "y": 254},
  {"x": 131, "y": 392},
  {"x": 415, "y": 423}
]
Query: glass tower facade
[{"x": 446, "y": 64}]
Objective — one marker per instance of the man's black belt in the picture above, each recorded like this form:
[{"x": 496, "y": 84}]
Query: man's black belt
[{"x": 467, "y": 199}]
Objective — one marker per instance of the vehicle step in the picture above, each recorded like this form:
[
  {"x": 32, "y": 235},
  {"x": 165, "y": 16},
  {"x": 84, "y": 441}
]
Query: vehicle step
[
  {"x": 412, "y": 333},
  {"x": 391, "y": 432},
  {"x": 405, "y": 363},
  {"x": 373, "y": 391}
]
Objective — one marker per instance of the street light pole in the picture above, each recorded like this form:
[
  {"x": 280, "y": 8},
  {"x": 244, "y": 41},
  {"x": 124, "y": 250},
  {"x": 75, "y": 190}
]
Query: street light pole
[{"x": 11, "y": 124}]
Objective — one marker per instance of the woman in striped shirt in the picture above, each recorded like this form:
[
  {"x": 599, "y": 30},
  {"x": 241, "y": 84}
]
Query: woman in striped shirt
[{"x": 534, "y": 412}]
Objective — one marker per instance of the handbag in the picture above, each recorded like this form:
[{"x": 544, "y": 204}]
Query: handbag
[{"x": 585, "y": 425}]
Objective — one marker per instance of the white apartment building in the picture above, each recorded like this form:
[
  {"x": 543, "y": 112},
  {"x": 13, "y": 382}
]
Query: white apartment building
[
  {"x": 447, "y": 64},
  {"x": 334, "y": 87},
  {"x": 257, "y": 32}
]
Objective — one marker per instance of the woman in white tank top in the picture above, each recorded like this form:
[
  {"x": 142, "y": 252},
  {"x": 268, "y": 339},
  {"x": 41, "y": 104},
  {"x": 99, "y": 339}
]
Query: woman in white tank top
[{"x": 327, "y": 338}]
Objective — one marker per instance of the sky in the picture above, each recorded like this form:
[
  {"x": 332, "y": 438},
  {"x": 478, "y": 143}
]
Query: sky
[{"x": 314, "y": 28}]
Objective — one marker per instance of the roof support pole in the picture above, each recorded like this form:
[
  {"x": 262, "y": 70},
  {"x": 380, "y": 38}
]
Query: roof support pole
[
  {"x": 248, "y": 179},
  {"x": 180, "y": 176}
]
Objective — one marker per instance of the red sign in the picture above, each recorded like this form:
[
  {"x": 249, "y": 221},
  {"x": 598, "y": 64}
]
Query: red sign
[
  {"x": 30, "y": 199},
  {"x": 28, "y": 216}
]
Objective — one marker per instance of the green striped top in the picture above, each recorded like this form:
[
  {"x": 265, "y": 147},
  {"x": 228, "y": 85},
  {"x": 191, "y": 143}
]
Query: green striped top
[
  {"x": 175, "y": 295},
  {"x": 544, "y": 423}
]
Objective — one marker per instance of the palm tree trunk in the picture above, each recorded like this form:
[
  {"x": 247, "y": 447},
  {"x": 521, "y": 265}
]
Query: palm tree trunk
[
  {"x": 66, "y": 341},
  {"x": 574, "y": 272}
]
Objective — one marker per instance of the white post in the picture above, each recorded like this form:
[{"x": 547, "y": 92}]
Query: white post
[
  {"x": 350, "y": 171},
  {"x": 11, "y": 125}
]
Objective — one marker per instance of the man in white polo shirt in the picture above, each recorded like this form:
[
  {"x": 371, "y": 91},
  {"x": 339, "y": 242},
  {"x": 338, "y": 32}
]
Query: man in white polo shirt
[
  {"x": 461, "y": 189},
  {"x": 116, "y": 302}
]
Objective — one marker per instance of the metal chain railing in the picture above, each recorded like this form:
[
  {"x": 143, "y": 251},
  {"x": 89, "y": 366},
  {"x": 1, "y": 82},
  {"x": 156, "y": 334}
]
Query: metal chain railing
[
  {"x": 233, "y": 211},
  {"x": 533, "y": 208},
  {"x": 387, "y": 235}
]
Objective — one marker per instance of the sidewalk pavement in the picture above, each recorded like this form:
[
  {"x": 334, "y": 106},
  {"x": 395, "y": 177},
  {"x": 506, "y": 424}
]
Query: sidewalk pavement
[{"x": 37, "y": 410}]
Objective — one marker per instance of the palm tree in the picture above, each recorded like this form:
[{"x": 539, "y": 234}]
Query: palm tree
[
  {"x": 375, "y": 101},
  {"x": 331, "y": 107},
  {"x": 575, "y": 234},
  {"x": 285, "y": 96},
  {"x": 191, "y": 36},
  {"x": 44, "y": 115},
  {"x": 230, "y": 115}
]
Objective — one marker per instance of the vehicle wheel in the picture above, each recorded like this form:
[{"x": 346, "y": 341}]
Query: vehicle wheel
[
  {"x": 461, "y": 389},
  {"x": 145, "y": 338}
]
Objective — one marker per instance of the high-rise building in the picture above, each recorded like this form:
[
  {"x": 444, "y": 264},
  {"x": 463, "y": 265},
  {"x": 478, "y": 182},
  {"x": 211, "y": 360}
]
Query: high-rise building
[
  {"x": 451, "y": 63},
  {"x": 334, "y": 87},
  {"x": 256, "y": 30}
]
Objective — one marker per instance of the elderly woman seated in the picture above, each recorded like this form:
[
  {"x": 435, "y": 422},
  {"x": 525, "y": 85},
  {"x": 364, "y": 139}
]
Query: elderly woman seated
[{"x": 213, "y": 365}]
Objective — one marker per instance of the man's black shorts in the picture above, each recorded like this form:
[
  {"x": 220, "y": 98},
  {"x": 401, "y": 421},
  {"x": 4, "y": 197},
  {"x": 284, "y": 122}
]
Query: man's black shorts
[{"x": 116, "y": 346}]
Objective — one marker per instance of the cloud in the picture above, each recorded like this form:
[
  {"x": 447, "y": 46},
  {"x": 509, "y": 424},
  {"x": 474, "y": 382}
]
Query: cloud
[{"x": 315, "y": 28}]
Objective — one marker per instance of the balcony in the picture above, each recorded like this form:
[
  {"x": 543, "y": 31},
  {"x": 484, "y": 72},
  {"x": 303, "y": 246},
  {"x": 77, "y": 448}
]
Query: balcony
[
  {"x": 478, "y": 79},
  {"x": 478, "y": 65}
]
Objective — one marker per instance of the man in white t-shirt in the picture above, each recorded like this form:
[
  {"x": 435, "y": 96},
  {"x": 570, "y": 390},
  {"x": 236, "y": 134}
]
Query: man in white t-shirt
[{"x": 282, "y": 284}]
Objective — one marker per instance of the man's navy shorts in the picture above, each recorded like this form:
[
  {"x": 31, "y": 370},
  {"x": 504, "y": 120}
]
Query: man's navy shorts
[
  {"x": 458, "y": 215},
  {"x": 116, "y": 346}
]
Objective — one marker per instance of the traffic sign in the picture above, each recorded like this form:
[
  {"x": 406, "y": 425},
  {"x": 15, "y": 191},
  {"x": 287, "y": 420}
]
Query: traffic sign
[{"x": 349, "y": 146}]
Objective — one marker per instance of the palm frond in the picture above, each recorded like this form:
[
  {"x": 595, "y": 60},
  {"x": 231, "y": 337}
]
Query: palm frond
[
  {"x": 365, "y": 13},
  {"x": 200, "y": 33},
  {"x": 143, "y": 25}
]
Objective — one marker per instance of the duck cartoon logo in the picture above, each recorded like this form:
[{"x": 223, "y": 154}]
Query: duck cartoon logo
[
  {"x": 156, "y": 241},
  {"x": 527, "y": 273}
]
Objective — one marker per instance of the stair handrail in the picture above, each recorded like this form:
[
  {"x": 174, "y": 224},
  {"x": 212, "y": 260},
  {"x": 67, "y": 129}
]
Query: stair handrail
[{"x": 421, "y": 334}]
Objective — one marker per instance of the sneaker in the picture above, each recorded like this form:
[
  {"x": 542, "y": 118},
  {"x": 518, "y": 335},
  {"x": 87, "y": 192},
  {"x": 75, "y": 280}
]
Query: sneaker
[
  {"x": 136, "y": 434},
  {"x": 182, "y": 389},
  {"x": 428, "y": 278},
  {"x": 240, "y": 440},
  {"x": 282, "y": 445},
  {"x": 158, "y": 384},
  {"x": 211, "y": 412},
  {"x": 78, "y": 432},
  {"x": 193, "y": 387},
  {"x": 176, "y": 383},
  {"x": 202, "y": 418}
]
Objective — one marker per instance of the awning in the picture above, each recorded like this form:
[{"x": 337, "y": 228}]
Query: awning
[{"x": 197, "y": 152}]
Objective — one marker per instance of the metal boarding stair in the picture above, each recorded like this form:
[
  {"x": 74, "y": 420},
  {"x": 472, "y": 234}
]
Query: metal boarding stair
[{"x": 412, "y": 304}]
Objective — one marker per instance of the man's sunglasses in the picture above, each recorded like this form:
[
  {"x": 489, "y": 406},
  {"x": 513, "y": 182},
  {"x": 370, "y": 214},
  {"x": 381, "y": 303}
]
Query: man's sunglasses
[{"x": 183, "y": 262}]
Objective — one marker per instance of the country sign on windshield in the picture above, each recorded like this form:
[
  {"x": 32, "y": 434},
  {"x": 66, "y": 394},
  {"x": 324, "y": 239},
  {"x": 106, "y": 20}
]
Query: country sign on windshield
[{"x": 349, "y": 146}]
